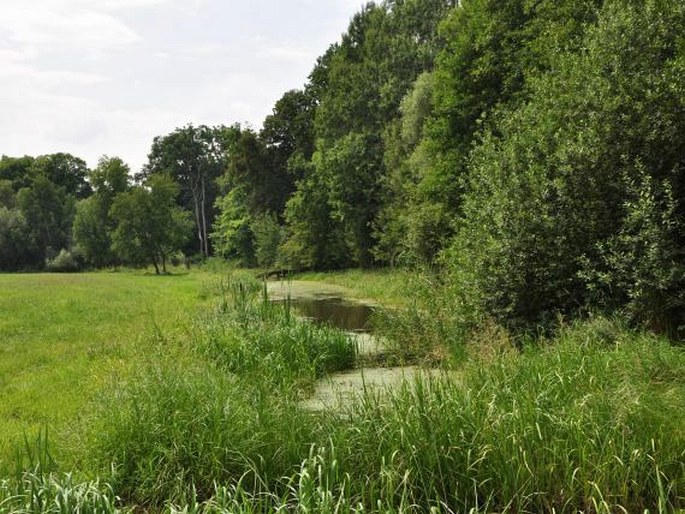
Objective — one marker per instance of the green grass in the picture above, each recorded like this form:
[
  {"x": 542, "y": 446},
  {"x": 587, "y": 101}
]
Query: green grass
[
  {"x": 390, "y": 287},
  {"x": 207, "y": 418},
  {"x": 590, "y": 421},
  {"x": 62, "y": 336}
]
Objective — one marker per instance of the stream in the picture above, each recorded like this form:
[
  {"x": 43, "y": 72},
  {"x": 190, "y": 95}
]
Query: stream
[{"x": 329, "y": 304}]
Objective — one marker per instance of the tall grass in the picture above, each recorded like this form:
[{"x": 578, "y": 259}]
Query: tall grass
[
  {"x": 219, "y": 406},
  {"x": 248, "y": 335},
  {"x": 38, "y": 493},
  {"x": 38, "y": 488},
  {"x": 591, "y": 421}
]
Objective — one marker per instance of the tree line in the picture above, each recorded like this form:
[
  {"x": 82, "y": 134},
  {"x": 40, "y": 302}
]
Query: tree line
[{"x": 530, "y": 150}]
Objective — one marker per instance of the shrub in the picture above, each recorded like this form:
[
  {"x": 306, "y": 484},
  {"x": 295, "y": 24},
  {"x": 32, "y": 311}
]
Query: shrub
[{"x": 64, "y": 262}]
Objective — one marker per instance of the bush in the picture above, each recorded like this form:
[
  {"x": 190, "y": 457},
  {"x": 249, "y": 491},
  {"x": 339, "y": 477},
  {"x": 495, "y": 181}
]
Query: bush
[
  {"x": 558, "y": 177},
  {"x": 64, "y": 262}
]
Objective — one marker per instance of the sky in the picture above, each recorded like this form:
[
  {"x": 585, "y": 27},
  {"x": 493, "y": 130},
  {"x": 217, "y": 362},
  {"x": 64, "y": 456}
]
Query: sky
[{"x": 104, "y": 77}]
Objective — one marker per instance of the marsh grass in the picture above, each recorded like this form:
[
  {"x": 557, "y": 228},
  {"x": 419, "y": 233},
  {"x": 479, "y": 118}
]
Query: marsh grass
[
  {"x": 40, "y": 493},
  {"x": 38, "y": 487},
  {"x": 588, "y": 423},
  {"x": 250, "y": 336},
  {"x": 220, "y": 405}
]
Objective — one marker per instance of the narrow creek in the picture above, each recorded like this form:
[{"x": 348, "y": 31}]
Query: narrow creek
[{"x": 329, "y": 304}]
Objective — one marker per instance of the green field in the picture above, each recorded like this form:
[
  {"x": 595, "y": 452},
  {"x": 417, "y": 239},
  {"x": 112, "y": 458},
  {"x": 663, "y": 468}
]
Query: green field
[
  {"x": 63, "y": 336},
  {"x": 185, "y": 392}
]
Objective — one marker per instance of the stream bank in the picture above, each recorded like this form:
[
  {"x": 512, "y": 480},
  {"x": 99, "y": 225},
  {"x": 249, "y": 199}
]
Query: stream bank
[{"x": 332, "y": 304}]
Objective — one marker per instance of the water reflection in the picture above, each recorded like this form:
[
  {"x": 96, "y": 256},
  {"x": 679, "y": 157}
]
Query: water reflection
[{"x": 353, "y": 317}]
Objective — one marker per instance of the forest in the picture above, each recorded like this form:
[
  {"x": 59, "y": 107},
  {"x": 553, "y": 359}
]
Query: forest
[{"x": 531, "y": 152}]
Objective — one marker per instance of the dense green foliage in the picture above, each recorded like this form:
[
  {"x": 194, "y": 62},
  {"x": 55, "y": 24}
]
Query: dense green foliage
[
  {"x": 527, "y": 156},
  {"x": 195, "y": 157},
  {"x": 150, "y": 227},
  {"x": 93, "y": 224},
  {"x": 575, "y": 198},
  {"x": 530, "y": 151},
  {"x": 533, "y": 151}
]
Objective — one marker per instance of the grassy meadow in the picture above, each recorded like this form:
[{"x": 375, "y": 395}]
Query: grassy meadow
[
  {"x": 63, "y": 336},
  {"x": 184, "y": 394}
]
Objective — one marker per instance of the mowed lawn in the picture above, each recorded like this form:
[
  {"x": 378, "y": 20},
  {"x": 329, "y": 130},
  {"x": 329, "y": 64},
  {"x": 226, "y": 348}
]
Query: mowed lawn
[{"x": 64, "y": 336}]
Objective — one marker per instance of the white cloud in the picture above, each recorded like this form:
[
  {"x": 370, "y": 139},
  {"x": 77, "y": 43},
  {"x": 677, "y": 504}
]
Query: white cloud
[
  {"x": 95, "y": 77},
  {"x": 50, "y": 29},
  {"x": 287, "y": 52}
]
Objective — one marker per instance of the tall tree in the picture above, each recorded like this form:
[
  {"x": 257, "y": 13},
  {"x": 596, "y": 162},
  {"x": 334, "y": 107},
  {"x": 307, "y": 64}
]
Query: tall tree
[
  {"x": 15, "y": 251},
  {"x": 16, "y": 170},
  {"x": 288, "y": 132},
  {"x": 359, "y": 84},
  {"x": 194, "y": 157},
  {"x": 93, "y": 224},
  {"x": 491, "y": 50},
  {"x": 64, "y": 170},
  {"x": 49, "y": 212}
]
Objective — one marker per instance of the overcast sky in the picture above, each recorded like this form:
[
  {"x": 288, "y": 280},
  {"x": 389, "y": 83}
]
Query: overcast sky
[{"x": 94, "y": 77}]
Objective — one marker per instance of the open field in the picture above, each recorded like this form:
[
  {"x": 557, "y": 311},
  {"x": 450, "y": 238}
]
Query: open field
[
  {"x": 188, "y": 392},
  {"x": 63, "y": 335}
]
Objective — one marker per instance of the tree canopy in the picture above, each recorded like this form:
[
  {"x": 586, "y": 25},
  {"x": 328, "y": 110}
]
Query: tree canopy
[{"x": 531, "y": 151}]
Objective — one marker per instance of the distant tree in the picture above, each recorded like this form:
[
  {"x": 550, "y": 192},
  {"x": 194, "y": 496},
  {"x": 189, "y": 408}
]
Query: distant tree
[
  {"x": 149, "y": 225},
  {"x": 314, "y": 238},
  {"x": 16, "y": 170},
  {"x": 110, "y": 177},
  {"x": 288, "y": 133},
  {"x": 352, "y": 174},
  {"x": 93, "y": 224},
  {"x": 91, "y": 233},
  {"x": 194, "y": 157},
  {"x": 64, "y": 170},
  {"x": 265, "y": 187},
  {"x": 15, "y": 248},
  {"x": 49, "y": 212},
  {"x": 8, "y": 198}
]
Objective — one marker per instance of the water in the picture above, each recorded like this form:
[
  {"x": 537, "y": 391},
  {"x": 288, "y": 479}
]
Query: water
[
  {"x": 324, "y": 303},
  {"x": 335, "y": 311}
]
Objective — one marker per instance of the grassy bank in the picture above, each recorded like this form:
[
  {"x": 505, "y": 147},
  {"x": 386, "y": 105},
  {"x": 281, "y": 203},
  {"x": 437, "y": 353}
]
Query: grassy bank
[
  {"x": 390, "y": 287},
  {"x": 212, "y": 422}
]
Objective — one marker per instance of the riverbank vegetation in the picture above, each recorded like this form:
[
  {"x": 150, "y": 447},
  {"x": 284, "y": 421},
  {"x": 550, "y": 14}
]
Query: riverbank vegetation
[
  {"x": 530, "y": 153},
  {"x": 209, "y": 418}
]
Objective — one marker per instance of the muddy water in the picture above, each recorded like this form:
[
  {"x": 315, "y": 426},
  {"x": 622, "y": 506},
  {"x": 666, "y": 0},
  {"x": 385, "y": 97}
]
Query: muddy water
[{"x": 335, "y": 311}]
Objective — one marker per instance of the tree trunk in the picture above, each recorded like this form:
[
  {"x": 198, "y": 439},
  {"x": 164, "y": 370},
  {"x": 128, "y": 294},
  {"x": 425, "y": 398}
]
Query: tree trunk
[
  {"x": 198, "y": 223},
  {"x": 204, "y": 218},
  {"x": 154, "y": 261}
]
